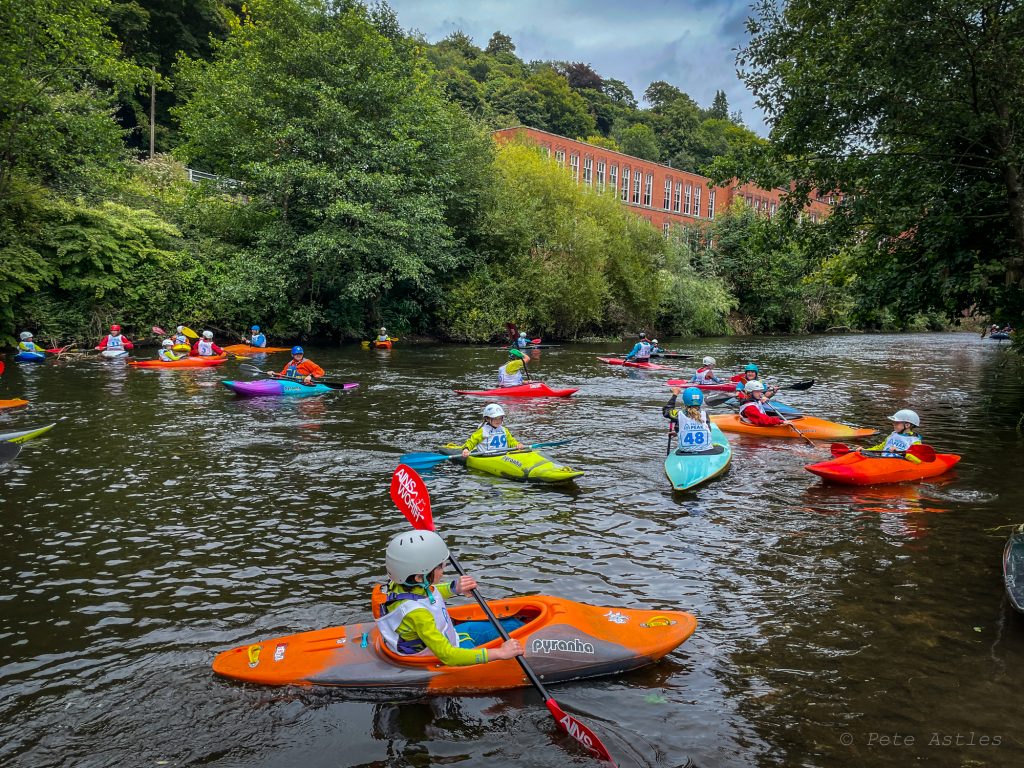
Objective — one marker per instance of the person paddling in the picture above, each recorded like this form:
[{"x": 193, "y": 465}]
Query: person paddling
[
  {"x": 413, "y": 619},
  {"x": 204, "y": 347},
  {"x": 26, "y": 344},
  {"x": 299, "y": 367},
  {"x": 167, "y": 353},
  {"x": 751, "y": 373},
  {"x": 492, "y": 434},
  {"x": 905, "y": 425},
  {"x": 511, "y": 373},
  {"x": 256, "y": 338},
  {"x": 114, "y": 340},
  {"x": 753, "y": 411},
  {"x": 382, "y": 335},
  {"x": 179, "y": 338},
  {"x": 692, "y": 424},
  {"x": 641, "y": 351},
  {"x": 706, "y": 373},
  {"x": 522, "y": 342}
]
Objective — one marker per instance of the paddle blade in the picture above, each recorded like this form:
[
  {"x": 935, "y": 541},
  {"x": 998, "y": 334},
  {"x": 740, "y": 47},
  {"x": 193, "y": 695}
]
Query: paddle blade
[
  {"x": 410, "y": 495},
  {"x": 923, "y": 452},
  {"x": 838, "y": 449},
  {"x": 535, "y": 341},
  {"x": 251, "y": 368},
  {"x": 579, "y": 731},
  {"x": 421, "y": 461},
  {"x": 2, "y": 366},
  {"x": 158, "y": 330},
  {"x": 800, "y": 385},
  {"x": 190, "y": 333}
]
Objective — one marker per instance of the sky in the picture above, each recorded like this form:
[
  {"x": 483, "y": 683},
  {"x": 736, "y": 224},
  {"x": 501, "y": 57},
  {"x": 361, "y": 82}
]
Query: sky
[{"x": 687, "y": 43}]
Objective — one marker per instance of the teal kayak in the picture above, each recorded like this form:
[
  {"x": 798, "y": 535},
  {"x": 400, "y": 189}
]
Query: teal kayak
[{"x": 686, "y": 470}]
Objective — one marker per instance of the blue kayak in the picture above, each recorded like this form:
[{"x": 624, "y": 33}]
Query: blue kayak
[
  {"x": 686, "y": 470},
  {"x": 30, "y": 357}
]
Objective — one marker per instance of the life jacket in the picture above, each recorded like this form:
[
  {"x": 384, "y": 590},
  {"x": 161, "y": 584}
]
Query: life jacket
[
  {"x": 755, "y": 404},
  {"x": 259, "y": 340},
  {"x": 384, "y": 338},
  {"x": 205, "y": 348},
  {"x": 506, "y": 379},
  {"x": 644, "y": 353},
  {"x": 29, "y": 346},
  {"x": 522, "y": 343},
  {"x": 898, "y": 444},
  {"x": 494, "y": 439},
  {"x": 168, "y": 355},
  {"x": 694, "y": 434},
  {"x": 114, "y": 342},
  {"x": 704, "y": 376},
  {"x": 389, "y": 620},
  {"x": 180, "y": 338}
]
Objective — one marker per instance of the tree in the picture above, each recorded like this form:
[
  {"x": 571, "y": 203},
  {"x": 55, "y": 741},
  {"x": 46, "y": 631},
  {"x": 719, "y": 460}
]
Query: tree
[
  {"x": 914, "y": 114},
  {"x": 580, "y": 76},
  {"x": 619, "y": 92},
  {"x": 638, "y": 140},
  {"x": 660, "y": 94},
  {"x": 500, "y": 43},
  {"x": 719, "y": 109}
]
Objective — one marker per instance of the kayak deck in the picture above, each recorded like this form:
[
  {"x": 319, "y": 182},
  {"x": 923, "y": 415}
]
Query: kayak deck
[
  {"x": 185, "y": 362},
  {"x": 564, "y": 640},
  {"x": 809, "y": 426},
  {"x": 15, "y": 403},
  {"x": 634, "y": 364},
  {"x": 278, "y": 388},
  {"x": 528, "y": 466},
  {"x": 530, "y": 389},
  {"x": 855, "y": 468},
  {"x": 25, "y": 435},
  {"x": 688, "y": 470}
]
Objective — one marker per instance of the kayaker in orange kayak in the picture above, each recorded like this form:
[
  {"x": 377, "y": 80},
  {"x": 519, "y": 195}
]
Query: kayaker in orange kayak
[
  {"x": 692, "y": 424},
  {"x": 641, "y": 351},
  {"x": 167, "y": 353},
  {"x": 205, "y": 347},
  {"x": 257, "y": 339},
  {"x": 905, "y": 422},
  {"x": 382, "y": 335},
  {"x": 706, "y": 373},
  {"x": 179, "y": 337},
  {"x": 753, "y": 410},
  {"x": 491, "y": 435},
  {"x": 114, "y": 340},
  {"x": 414, "y": 619},
  {"x": 511, "y": 373},
  {"x": 300, "y": 367}
]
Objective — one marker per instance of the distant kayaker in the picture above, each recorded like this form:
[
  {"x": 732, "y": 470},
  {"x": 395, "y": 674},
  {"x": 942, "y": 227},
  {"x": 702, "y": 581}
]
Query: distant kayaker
[
  {"x": 114, "y": 340},
  {"x": 522, "y": 342},
  {"x": 655, "y": 349},
  {"x": 167, "y": 353},
  {"x": 414, "y": 619},
  {"x": 905, "y": 423},
  {"x": 753, "y": 411},
  {"x": 204, "y": 347},
  {"x": 179, "y": 338},
  {"x": 300, "y": 367},
  {"x": 27, "y": 345},
  {"x": 492, "y": 435},
  {"x": 706, "y": 373},
  {"x": 692, "y": 424},
  {"x": 641, "y": 351},
  {"x": 256, "y": 339},
  {"x": 511, "y": 373},
  {"x": 382, "y": 335},
  {"x": 751, "y": 373}
]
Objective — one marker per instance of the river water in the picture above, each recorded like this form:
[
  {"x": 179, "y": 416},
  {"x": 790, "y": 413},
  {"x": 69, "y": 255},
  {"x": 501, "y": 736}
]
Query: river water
[{"x": 164, "y": 520}]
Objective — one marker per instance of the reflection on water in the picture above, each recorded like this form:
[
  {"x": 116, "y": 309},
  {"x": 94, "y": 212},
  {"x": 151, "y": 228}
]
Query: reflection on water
[{"x": 164, "y": 519}]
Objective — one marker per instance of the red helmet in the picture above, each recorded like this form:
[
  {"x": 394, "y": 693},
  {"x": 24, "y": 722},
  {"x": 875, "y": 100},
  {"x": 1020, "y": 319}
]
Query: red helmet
[{"x": 115, "y": 328}]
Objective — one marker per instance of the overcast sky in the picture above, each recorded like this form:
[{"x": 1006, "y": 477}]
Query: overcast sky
[{"x": 690, "y": 44}]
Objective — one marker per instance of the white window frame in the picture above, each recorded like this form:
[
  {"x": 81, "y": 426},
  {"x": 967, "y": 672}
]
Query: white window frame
[
  {"x": 711, "y": 205},
  {"x": 625, "y": 183},
  {"x": 696, "y": 201},
  {"x": 574, "y": 164},
  {"x": 668, "y": 194},
  {"x": 665, "y": 228},
  {"x": 588, "y": 171},
  {"x": 600, "y": 174},
  {"x": 772, "y": 211},
  {"x": 648, "y": 189},
  {"x": 638, "y": 178},
  {"x": 613, "y": 178},
  {"x": 677, "y": 201},
  {"x": 687, "y": 198},
  {"x": 560, "y": 157}
]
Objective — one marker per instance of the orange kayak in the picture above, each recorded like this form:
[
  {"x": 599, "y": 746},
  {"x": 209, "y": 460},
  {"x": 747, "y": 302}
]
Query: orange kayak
[
  {"x": 243, "y": 349},
  {"x": 16, "y": 403},
  {"x": 856, "y": 468},
  {"x": 185, "y": 362},
  {"x": 381, "y": 344},
  {"x": 815, "y": 429},
  {"x": 564, "y": 640}
]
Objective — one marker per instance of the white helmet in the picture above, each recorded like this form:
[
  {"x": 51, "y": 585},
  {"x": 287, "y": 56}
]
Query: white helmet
[
  {"x": 753, "y": 386},
  {"x": 906, "y": 415},
  {"x": 167, "y": 343},
  {"x": 709, "y": 360},
  {"x": 25, "y": 335},
  {"x": 383, "y": 329},
  {"x": 414, "y": 553},
  {"x": 493, "y": 411},
  {"x": 180, "y": 328},
  {"x": 207, "y": 334},
  {"x": 654, "y": 342},
  {"x": 522, "y": 334}
]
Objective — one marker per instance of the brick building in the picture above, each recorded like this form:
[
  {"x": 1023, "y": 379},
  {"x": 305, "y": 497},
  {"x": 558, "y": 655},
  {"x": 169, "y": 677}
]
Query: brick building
[{"x": 658, "y": 193}]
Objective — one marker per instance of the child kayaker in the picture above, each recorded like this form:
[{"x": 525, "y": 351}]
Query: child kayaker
[
  {"x": 511, "y": 373},
  {"x": 114, "y": 340},
  {"x": 167, "y": 353},
  {"x": 706, "y": 373},
  {"x": 382, "y": 335},
  {"x": 492, "y": 435},
  {"x": 300, "y": 367},
  {"x": 414, "y": 619},
  {"x": 905, "y": 423},
  {"x": 692, "y": 424},
  {"x": 256, "y": 339},
  {"x": 641, "y": 351},
  {"x": 753, "y": 411},
  {"x": 27, "y": 345},
  {"x": 205, "y": 347},
  {"x": 751, "y": 373}
]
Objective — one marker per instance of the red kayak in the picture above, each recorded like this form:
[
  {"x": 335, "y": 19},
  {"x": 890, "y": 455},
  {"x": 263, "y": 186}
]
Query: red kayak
[
  {"x": 726, "y": 386},
  {"x": 530, "y": 389},
  {"x": 856, "y": 468},
  {"x": 632, "y": 364}
]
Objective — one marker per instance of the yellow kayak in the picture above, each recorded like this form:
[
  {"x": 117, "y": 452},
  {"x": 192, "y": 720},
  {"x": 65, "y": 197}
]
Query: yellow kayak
[{"x": 529, "y": 466}]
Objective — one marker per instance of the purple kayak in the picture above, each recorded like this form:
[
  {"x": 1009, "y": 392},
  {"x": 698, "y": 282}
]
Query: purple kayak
[{"x": 279, "y": 388}]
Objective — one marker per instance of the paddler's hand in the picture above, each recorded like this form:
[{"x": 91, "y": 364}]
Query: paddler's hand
[
  {"x": 465, "y": 452},
  {"x": 308, "y": 380},
  {"x": 675, "y": 390},
  {"x": 465, "y": 585},
  {"x": 508, "y": 650}
]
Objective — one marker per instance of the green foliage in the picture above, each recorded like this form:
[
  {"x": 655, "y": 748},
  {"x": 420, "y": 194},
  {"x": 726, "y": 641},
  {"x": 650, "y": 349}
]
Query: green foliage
[
  {"x": 638, "y": 140},
  {"x": 696, "y": 301}
]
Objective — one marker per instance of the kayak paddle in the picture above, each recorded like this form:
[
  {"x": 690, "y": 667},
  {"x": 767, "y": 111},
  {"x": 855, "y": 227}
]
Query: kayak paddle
[
  {"x": 158, "y": 330},
  {"x": 429, "y": 460},
  {"x": 271, "y": 374},
  {"x": 410, "y": 495},
  {"x": 919, "y": 451}
]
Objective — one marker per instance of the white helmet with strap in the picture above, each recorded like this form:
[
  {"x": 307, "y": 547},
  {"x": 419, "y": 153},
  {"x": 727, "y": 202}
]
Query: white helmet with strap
[
  {"x": 907, "y": 415},
  {"x": 753, "y": 386},
  {"x": 493, "y": 411},
  {"x": 709, "y": 360},
  {"x": 412, "y": 555}
]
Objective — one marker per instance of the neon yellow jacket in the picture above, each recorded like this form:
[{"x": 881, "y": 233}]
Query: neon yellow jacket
[{"x": 419, "y": 624}]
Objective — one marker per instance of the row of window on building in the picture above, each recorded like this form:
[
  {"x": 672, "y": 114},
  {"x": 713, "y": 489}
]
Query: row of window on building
[{"x": 678, "y": 197}]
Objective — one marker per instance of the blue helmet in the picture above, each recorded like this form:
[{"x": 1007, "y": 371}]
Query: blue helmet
[
  {"x": 692, "y": 396},
  {"x": 751, "y": 367},
  {"x": 255, "y": 329},
  {"x": 297, "y": 351}
]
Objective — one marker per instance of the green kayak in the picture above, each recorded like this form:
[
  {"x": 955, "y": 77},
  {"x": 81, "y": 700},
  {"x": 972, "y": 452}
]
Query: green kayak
[
  {"x": 26, "y": 435},
  {"x": 687, "y": 470},
  {"x": 530, "y": 466}
]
